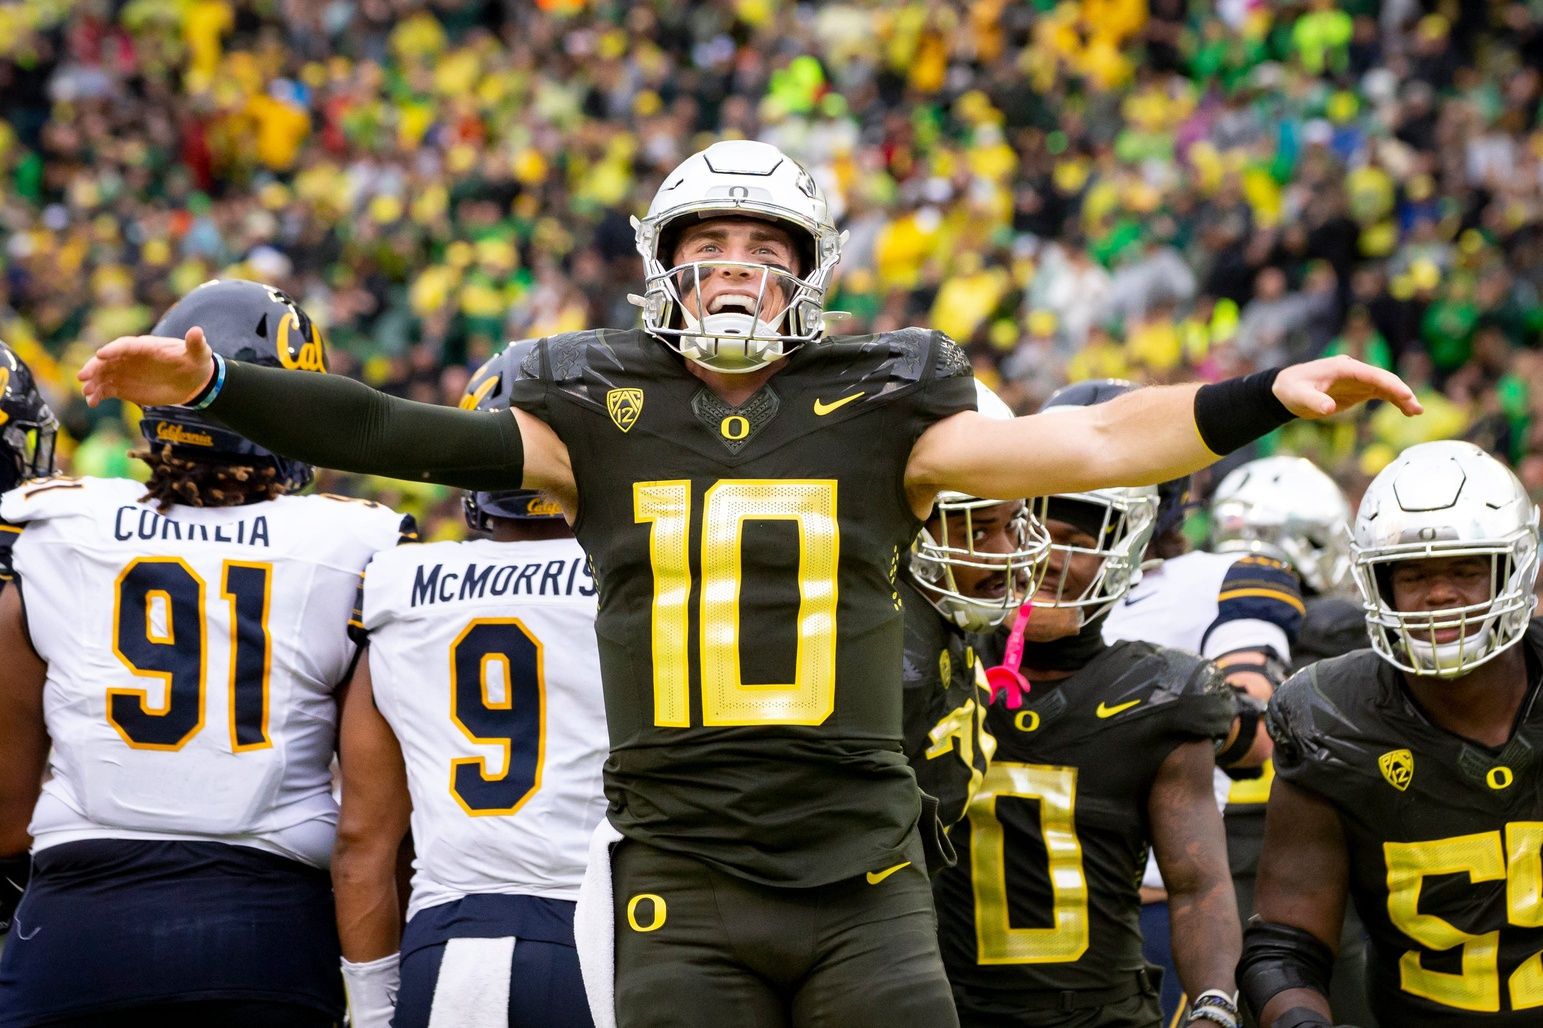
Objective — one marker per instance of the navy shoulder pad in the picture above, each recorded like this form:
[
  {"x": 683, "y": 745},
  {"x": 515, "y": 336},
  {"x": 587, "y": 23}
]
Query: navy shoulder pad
[{"x": 1332, "y": 627}]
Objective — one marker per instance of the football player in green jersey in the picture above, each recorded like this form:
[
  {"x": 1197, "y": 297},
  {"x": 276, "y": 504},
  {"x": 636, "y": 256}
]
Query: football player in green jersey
[
  {"x": 746, "y": 486},
  {"x": 1407, "y": 775},
  {"x": 1112, "y": 753},
  {"x": 973, "y": 564}
]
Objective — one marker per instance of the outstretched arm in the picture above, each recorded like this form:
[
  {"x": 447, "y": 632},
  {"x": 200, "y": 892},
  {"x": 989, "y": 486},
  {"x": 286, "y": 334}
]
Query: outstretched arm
[
  {"x": 335, "y": 422},
  {"x": 1146, "y": 436}
]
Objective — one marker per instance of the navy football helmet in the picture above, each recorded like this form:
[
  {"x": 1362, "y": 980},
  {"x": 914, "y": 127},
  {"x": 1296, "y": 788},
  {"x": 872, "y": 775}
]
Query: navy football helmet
[
  {"x": 1175, "y": 496},
  {"x": 489, "y": 390},
  {"x": 245, "y": 321},
  {"x": 27, "y": 425}
]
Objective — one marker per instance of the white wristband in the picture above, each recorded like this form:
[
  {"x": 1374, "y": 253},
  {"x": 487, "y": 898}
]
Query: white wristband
[{"x": 372, "y": 990}]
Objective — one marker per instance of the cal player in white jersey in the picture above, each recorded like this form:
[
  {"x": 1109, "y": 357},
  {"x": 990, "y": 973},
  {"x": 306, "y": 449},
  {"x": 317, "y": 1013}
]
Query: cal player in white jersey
[
  {"x": 479, "y": 710},
  {"x": 177, "y": 645}
]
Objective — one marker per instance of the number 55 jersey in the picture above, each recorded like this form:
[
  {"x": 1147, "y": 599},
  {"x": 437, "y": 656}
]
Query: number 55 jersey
[
  {"x": 192, "y": 657},
  {"x": 1444, "y": 838}
]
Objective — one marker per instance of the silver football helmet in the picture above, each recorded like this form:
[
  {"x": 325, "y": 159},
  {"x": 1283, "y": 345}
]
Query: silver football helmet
[
  {"x": 1446, "y": 499},
  {"x": 746, "y": 179},
  {"x": 936, "y": 557},
  {"x": 1121, "y": 520},
  {"x": 1284, "y": 507}
]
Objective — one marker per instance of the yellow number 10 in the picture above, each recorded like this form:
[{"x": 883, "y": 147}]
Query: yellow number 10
[{"x": 726, "y": 698}]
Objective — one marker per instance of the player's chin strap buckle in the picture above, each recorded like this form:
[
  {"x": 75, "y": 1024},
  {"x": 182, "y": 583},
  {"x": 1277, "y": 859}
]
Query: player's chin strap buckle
[{"x": 1005, "y": 677}]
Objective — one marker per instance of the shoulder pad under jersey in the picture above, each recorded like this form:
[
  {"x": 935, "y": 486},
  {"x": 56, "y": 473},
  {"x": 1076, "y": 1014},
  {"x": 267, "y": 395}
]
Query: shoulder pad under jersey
[
  {"x": 567, "y": 358},
  {"x": 1332, "y": 627},
  {"x": 1328, "y": 700}
]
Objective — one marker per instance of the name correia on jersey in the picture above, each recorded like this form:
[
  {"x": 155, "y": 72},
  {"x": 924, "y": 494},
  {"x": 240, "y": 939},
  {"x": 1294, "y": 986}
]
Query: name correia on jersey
[
  {"x": 138, "y": 523},
  {"x": 433, "y": 584}
]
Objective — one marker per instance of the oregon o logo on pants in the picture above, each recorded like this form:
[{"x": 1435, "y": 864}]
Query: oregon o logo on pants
[{"x": 660, "y": 912}]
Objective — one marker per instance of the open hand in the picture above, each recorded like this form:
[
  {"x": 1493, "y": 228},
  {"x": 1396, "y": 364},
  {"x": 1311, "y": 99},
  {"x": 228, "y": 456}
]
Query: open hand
[
  {"x": 1329, "y": 385},
  {"x": 152, "y": 371}
]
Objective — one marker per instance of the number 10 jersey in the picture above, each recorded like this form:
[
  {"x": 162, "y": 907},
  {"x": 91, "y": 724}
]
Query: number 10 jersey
[{"x": 749, "y": 624}]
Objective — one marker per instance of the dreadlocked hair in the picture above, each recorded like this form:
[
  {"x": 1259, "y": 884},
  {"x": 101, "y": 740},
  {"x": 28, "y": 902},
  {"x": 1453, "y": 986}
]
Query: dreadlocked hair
[{"x": 177, "y": 480}]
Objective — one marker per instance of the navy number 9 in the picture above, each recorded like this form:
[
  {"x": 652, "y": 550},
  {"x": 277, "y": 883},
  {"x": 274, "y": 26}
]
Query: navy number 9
[{"x": 497, "y": 698}]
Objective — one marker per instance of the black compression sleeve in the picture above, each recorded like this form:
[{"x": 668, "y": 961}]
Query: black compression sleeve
[{"x": 335, "y": 422}]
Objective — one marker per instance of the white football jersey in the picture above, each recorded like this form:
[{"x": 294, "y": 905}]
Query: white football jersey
[
  {"x": 1211, "y": 604},
  {"x": 485, "y": 664},
  {"x": 192, "y": 658}
]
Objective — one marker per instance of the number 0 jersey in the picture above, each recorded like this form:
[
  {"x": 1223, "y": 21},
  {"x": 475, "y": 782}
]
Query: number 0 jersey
[
  {"x": 1045, "y": 895},
  {"x": 192, "y": 658},
  {"x": 749, "y": 627},
  {"x": 483, "y": 660},
  {"x": 1444, "y": 838}
]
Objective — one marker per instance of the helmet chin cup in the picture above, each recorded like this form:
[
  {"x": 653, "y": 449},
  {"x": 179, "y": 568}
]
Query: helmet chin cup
[
  {"x": 1447, "y": 660},
  {"x": 731, "y": 343}
]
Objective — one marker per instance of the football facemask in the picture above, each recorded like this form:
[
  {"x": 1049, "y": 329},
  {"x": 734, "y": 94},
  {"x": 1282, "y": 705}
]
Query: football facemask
[
  {"x": 938, "y": 557},
  {"x": 27, "y": 424},
  {"x": 1120, "y": 521},
  {"x": 744, "y": 179},
  {"x": 1446, "y": 499}
]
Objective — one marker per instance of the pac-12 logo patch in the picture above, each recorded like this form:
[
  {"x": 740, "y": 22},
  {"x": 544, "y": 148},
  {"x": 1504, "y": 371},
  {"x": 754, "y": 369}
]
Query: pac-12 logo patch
[
  {"x": 1398, "y": 768},
  {"x": 624, "y": 406}
]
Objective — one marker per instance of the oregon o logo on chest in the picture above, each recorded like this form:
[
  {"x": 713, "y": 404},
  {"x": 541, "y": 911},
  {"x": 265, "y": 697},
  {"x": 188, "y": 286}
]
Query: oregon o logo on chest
[
  {"x": 1027, "y": 721},
  {"x": 659, "y": 912},
  {"x": 1499, "y": 777},
  {"x": 735, "y": 427}
]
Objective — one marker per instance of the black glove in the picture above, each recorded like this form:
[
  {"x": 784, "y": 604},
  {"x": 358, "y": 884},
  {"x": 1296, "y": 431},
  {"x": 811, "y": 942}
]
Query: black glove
[{"x": 14, "y": 873}]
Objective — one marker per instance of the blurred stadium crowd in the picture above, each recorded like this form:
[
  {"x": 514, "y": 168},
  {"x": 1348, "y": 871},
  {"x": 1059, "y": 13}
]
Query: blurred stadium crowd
[{"x": 1157, "y": 189}]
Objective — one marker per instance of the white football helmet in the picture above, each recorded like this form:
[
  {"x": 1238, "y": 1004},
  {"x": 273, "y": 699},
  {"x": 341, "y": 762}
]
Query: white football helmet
[
  {"x": 1284, "y": 507},
  {"x": 1121, "y": 520},
  {"x": 1446, "y": 499},
  {"x": 746, "y": 179},
  {"x": 935, "y": 558}
]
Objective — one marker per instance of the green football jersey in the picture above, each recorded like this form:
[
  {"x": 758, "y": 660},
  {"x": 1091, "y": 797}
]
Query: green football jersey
[
  {"x": 1445, "y": 838},
  {"x": 746, "y": 556},
  {"x": 1045, "y": 897},
  {"x": 944, "y": 707}
]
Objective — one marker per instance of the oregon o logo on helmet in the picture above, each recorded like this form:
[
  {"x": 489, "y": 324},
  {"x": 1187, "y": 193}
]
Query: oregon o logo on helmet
[{"x": 740, "y": 192}]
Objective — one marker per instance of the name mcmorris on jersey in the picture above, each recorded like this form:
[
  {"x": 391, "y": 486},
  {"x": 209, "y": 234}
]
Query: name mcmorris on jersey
[
  {"x": 436, "y": 585},
  {"x": 151, "y": 525}
]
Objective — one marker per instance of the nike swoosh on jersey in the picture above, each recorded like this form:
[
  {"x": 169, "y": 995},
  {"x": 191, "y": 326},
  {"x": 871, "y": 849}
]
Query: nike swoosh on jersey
[
  {"x": 1131, "y": 601},
  {"x": 875, "y": 877},
  {"x": 821, "y": 408},
  {"x": 1104, "y": 710}
]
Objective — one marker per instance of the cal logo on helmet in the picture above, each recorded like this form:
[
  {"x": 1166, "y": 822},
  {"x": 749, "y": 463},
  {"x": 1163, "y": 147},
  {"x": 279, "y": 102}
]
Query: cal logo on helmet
[
  {"x": 310, "y": 354},
  {"x": 542, "y": 506},
  {"x": 624, "y": 406},
  {"x": 1398, "y": 768}
]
